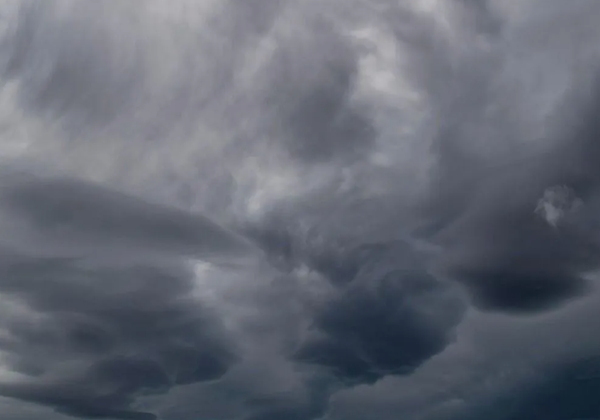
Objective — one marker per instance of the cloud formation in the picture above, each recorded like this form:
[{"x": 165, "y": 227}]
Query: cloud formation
[
  {"x": 90, "y": 330},
  {"x": 256, "y": 210}
]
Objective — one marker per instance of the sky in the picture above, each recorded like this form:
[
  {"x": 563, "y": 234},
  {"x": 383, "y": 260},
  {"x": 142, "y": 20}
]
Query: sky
[{"x": 299, "y": 209}]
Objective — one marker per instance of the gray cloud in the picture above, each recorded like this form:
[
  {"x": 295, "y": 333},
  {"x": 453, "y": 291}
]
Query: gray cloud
[
  {"x": 98, "y": 337},
  {"x": 316, "y": 108},
  {"x": 384, "y": 322},
  {"x": 530, "y": 262},
  {"x": 89, "y": 215},
  {"x": 255, "y": 209},
  {"x": 100, "y": 330}
]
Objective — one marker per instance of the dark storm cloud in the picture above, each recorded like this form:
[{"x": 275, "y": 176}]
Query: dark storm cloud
[
  {"x": 412, "y": 164},
  {"x": 102, "y": 331},
  {"x": 101, "y": 336},
  {"x": 86, "y": 215},
  {"x": 388, "y": 315},
  {"x": 527, "y": 236},
  {"x": 491, "y": 179},
  {"x": 384, "y": 322}
]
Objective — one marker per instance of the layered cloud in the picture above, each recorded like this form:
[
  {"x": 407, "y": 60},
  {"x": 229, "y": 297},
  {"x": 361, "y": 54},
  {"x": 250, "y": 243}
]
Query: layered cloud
[{"x": 305, "y": 210}]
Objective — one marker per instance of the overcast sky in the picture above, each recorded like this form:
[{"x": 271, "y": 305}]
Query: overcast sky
[{"x": 299, "y": 209}]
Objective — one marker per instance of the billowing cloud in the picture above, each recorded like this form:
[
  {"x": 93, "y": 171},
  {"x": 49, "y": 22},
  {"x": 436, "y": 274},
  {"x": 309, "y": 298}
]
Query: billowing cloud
[
  {"x": 391, "y": 318},
  {"x": 267, "y": 209},
  {"x": 89, "y": 330}
]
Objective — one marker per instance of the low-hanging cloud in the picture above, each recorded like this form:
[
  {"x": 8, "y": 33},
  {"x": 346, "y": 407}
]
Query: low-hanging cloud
[{"x": 92, "y": 329}]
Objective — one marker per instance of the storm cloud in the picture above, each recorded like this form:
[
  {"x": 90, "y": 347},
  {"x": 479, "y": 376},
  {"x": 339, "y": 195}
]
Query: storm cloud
[
  {"x": 89, "y": 328},
  {"x": 278, "y": 209}
]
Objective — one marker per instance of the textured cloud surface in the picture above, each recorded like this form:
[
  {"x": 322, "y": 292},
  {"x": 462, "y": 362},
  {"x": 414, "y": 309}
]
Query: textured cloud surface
[{"x": 300, "y": 210}]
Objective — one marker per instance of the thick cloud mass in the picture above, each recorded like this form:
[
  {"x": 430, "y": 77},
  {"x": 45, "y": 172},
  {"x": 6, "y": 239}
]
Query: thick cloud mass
[
  {"x": 302, "y": 210},
  {"x": 382, "y": 322},
  {"x": 88, "y": 333}
]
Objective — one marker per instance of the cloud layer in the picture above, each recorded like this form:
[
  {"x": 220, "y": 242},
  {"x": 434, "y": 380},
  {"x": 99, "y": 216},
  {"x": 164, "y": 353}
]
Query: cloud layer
[{"x": 258, "y": 210}]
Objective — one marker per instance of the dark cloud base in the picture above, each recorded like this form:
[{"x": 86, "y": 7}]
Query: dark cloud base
[{"x": 127, "y": 325}]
